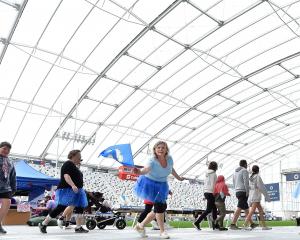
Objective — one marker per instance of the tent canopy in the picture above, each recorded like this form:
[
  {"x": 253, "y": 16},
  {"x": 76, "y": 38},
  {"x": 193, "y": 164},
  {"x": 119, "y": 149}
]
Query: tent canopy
[{"x": 29, "y": 179}]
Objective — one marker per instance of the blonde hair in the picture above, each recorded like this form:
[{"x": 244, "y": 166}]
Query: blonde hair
[{"x": 156, "y": 145}]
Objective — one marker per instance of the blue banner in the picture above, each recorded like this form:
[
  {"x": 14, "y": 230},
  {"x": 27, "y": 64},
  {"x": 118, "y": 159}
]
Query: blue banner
[
  {"x": 292, "y": 177},
  {"x": 273, "y": 191},
  {"x": 296, "y": 192},
  {"x": 121, "y": 153}
]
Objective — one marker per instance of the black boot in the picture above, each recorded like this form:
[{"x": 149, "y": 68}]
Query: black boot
[
  {"x": 223, "y": 229},
  {"x": 2, "y": 231},
  {"x": 81, "y": 230},
  {"x": 197, "y": 225},
  {"x": 43, "y": 228}
]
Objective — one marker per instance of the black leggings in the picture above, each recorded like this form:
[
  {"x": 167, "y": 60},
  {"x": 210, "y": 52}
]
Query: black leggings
[
  {"x": 211, "y": 207},
  {"x": 60, "y": 208},
  {"x": 148, "y": 209}
]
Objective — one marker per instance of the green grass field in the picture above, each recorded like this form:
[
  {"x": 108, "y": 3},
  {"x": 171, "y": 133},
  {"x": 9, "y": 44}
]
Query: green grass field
[{"x": 181, "y": 224}]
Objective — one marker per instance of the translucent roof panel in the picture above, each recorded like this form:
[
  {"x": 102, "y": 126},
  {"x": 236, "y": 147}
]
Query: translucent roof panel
[{"x": 217, "y": 80}]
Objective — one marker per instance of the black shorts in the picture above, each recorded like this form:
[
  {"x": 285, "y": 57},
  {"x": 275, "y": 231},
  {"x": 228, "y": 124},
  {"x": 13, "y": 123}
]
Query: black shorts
[
  {"x": 7, "y": 195},
  {"x": 242, "y": 200},
  {"x": 79, "y": 210},
  {"x": 160, "y": 207}
]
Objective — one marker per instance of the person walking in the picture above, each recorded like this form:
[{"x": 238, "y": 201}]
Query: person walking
[
  {"x": 69, "y": 192},
  {"x": 7, "y": 181},
  {"x": 257, "y": 189},
  {"x": 153, "y": 186},
  {"x": 209, "y": 186},
  {"x": 221, "y": 192},
  {"x": 241, "y": 186}
]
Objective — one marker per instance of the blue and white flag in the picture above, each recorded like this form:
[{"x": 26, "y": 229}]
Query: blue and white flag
[
  {"x": 121, "y": 153},
  {"x": 296, "y": 192}
]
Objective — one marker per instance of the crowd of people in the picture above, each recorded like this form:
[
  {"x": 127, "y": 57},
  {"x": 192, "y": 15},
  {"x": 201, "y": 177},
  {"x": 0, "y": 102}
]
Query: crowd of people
[
  {"x": 248, "y": 190},
  {"x": 151, "y": 186}
]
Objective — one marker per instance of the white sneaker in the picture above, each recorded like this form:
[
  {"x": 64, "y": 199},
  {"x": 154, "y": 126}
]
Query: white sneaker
[
  {"x": 60, "y": 223},
  {"x": 167, "y": 226},
  {"x": 140, "y": 231},
  {"x": 154, "y": 225},
  {"x": 266, "y": 228},
  {"x": 164, "y": 235},
  {"x": 68, "y": 227},
  {"x": 248, "y": 228}
]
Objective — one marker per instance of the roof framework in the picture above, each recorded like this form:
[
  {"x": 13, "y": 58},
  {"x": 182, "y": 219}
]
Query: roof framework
[{"x": 217, "y": 80}]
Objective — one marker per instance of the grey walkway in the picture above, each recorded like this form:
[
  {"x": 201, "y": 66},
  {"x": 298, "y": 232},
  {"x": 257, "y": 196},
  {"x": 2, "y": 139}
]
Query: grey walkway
[{"x": 54, "y": 233}]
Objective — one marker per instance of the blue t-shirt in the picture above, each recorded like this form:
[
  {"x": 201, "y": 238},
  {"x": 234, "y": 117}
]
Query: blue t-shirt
[{"x": 157, "y": 172}]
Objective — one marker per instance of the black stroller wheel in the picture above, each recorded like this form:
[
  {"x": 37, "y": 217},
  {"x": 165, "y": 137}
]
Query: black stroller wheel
[
  {"x": 120, "y": 224},
  {"x": 91, "y": 224},
  {"x": 101, "y": 225}
]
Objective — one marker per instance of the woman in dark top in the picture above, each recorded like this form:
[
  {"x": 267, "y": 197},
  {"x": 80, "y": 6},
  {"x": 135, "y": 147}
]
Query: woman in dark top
[{"x": 69, "y": 192}]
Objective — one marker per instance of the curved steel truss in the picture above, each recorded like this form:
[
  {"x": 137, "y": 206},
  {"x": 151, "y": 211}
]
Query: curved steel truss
[{"x": 216, "y": 80}]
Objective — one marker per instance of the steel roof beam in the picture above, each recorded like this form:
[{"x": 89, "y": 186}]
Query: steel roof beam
[
  {"x": 11, "y": 33},
  {"x": 271, "y": 152},
  {"x": 14, "y": 5},
  {"x": 109, "y": 66},
  {"x": 217, "y": 93},
  {"x": 239, "y": 135}
]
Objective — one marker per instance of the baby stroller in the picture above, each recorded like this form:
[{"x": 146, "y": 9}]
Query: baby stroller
[
  {"x": 101, "y": 220},
  {"x": 104, "y": 216}
]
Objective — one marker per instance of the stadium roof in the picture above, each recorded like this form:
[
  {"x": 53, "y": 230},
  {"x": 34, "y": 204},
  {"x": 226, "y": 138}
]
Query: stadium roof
[{"x": 218, "y": 80}]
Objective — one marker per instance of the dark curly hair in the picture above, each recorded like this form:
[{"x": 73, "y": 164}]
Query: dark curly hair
[
  {"x": 255, "y": 170},
  {"x": 5, "y": 144},
  {"x": 243, "y": 163},
  {"x": 213, "y": 166}
]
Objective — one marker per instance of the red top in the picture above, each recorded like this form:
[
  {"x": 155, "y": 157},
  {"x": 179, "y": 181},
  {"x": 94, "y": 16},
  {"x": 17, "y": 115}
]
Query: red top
[
  {"x": 148, "y": 202},
  {"x": 221, "y": 186}
]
